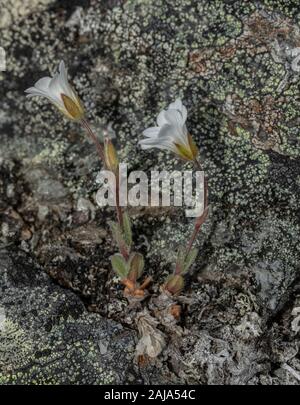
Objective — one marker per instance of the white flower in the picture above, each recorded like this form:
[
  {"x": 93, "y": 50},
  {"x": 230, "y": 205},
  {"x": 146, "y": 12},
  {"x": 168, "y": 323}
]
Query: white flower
[
  {"x": 171, "y": 133},
  {"x": 60, "y": 93}
]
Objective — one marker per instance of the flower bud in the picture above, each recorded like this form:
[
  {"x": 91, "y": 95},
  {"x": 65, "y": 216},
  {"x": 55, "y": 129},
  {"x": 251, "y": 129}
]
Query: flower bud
[{"x": 111, "y": 158}]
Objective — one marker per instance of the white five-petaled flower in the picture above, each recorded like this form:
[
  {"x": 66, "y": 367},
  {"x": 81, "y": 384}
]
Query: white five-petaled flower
[
  {"x": 59, "y": 92},
  {"x": 171, "y": 133}
]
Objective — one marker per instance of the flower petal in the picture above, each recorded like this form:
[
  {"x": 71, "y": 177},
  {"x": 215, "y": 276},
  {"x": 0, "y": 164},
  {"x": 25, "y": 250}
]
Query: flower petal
[
  {"x": 55, "y": 85},
  {"x": 177, "y": 105},
  {"x": 151, "y": 132},
  {"x": 160, "y": 146},
  {"x": 161, "y": 143},
  {"x": 43, "y": 84},
  {"x": 161, "y": 120},
  {"x": 167, "y": 131},
  {"x": 174, "y": 117},
  {"x": 64, "y": 83},
  {"x": 56, "y": 90},
  {"x": 63, "y": 71},
  {"x": 183, "y": 113},
  {"x": 32, "y": 91},
  {"x": 178, "y": 133}
]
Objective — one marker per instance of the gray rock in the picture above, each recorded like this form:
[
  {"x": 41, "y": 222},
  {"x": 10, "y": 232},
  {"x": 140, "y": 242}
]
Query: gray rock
[
  {"x": 236, "y": 67},
  {"x": 48, "y": 337}
]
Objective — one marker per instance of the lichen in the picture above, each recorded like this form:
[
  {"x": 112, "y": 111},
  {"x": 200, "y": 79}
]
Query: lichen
[{"x": 233, "y": 66}]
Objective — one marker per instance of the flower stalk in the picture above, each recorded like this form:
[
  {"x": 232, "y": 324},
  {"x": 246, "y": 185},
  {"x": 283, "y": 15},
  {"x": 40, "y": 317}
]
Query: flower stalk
[
  {"x": 200, "y": 220},
  {"x": 187, "y": 255},
  {"x": 128, "y": 266},
  {"x": 105, "y": 159},
  {"x": 57, "y": 89},
  {"x": 94, "y": 138},
  {"x": 171, "y": 134}
]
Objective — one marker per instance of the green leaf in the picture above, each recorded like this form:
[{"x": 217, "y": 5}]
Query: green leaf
[
  {"x": 136, "y": 265},
  {"x": 189, "y": 260},
  {"x": 181, "y": 258},
  {"x": 119, "y": 265},
  {"x": 127, "y": 229},
  {"x": 174, "y": 284}
]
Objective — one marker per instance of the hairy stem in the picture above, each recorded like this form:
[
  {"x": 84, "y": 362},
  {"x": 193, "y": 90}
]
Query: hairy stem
[
  {"x": 200, "y": 220},
  {"x": 94, "y": 138},
  {"x": 100, "y": 151},
  {"x": 118, "y": 207}
]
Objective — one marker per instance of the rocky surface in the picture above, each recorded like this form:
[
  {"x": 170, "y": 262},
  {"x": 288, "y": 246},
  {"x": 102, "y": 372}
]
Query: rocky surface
[
  {"x": 236, "y": 66},
  {"x": 48, "y": 337}
]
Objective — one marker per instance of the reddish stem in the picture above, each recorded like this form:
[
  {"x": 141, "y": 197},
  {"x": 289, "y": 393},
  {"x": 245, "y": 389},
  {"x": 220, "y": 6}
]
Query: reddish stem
[
  {"x": 199, "y": 221},
  {"x": 145, "y": 283},
  {"x": 118, "y": 207},
  {"x": 102, "y": 157},
  {"x": 94, "y": 139}
]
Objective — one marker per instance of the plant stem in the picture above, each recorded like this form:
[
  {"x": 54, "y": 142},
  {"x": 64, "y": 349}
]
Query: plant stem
[
  {"x": 94, "y": 139},
  {"x": 100, "y": 151},
  {"x": 200, "y": 220},
  {"x": 145, "y": 283},
  {"x": 198, "y": 164},
  {"x": 118, "y": 207}
]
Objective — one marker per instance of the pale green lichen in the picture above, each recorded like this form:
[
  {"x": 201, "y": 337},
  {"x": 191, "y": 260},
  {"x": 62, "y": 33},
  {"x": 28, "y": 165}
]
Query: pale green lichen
[{"x": 129, "y": 61}]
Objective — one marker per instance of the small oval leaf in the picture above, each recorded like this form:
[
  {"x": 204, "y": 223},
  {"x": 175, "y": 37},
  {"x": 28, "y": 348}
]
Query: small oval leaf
[
  {"x": 119, "y": 265},
  {"x": 136, "y": 266}
]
